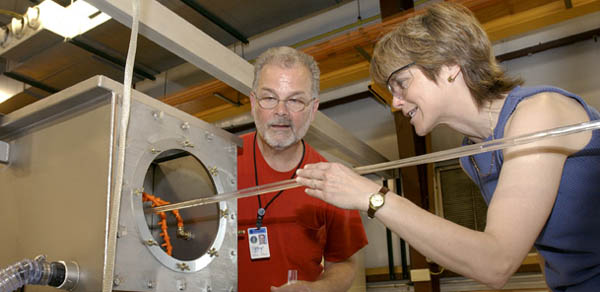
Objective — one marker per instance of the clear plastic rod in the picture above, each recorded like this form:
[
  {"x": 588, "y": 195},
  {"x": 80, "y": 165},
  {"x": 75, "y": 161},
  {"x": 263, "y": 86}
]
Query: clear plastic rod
[
  {"x": 411, "y": 161},
  {"x": 253, "y": 191}
]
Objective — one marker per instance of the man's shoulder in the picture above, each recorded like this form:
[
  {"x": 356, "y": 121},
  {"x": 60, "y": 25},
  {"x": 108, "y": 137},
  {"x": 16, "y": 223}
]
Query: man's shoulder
[
  {"x": 247, "y": 137},
  {"x": 312, "y": 155},
  {"x": 246, "y": 148}
]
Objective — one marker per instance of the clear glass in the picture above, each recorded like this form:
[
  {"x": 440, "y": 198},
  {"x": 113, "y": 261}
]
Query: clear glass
[
  {"x": 253, "y": 191},
  {"x": 479, "y": 147},
  {"x": 400, "y": 80},
  {"x": 292, "y": 104},
  {"x": 292, "y": 276},
  {"x": 411, "y": 161}
]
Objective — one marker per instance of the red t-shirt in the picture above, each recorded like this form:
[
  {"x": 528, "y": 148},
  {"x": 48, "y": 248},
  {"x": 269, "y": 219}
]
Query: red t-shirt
[{"x": 301, "y": 229}]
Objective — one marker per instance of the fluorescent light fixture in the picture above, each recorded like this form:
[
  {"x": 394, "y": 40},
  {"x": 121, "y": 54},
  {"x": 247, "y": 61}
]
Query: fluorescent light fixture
[
  {"x": 67, "y": 22},
  {"x": 9, "y": 87},
  {"x": 71, "y": 21},
  {"x": 4, "y": 96}
]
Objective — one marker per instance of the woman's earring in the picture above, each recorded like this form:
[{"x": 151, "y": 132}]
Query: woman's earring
[{"x": 450, "y": 79}]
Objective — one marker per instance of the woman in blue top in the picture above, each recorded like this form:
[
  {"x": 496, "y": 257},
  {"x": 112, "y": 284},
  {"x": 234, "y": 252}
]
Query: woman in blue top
[{"x": 440, "y": 68}]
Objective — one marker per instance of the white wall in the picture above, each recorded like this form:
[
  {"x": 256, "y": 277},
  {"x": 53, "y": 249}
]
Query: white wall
[
  {"x": 575, "y": 68},
  {"x": 369, "y": 121}
]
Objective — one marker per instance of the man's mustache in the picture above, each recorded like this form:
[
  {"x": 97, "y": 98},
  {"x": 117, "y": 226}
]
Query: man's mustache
[{"x": 280, "y": 122}]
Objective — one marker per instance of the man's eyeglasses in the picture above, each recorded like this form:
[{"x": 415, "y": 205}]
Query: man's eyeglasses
[
  {"x": 396, "y": 83},
  {"x": 292, "y": 104}
]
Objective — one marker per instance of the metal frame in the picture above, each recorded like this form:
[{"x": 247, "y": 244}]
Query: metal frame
[
  {"x": 172, "y": 263},
  {"x": 172, "y": 32},
  {"x": 83, "y": 115}
]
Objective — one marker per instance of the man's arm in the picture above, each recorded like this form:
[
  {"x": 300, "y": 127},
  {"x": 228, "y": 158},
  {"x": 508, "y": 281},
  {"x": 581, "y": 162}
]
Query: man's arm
[{"x": 336, "y": 277}]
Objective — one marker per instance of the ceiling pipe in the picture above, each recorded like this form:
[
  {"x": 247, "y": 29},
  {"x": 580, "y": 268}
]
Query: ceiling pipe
[
  {"x": 334, "y": 21},
  {"x": 595, "y": 33},
  {"x": 550, "y": 33},
  {"x": 106, "y": 56},
  {"x": 216, "y": 20},
  {"x": 31, "y": 82}
]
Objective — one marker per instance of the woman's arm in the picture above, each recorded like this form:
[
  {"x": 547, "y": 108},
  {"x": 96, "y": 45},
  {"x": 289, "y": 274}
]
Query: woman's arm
[{"x": 522, "y": 202}]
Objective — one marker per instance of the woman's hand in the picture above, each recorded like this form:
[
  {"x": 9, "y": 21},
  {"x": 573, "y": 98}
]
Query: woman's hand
[{"x": 337, "y": 184}]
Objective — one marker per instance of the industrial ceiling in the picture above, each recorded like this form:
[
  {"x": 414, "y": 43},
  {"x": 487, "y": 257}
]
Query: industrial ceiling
[
  {"x": 57, "y": 62},
  {"x": 53, "y": 62}
]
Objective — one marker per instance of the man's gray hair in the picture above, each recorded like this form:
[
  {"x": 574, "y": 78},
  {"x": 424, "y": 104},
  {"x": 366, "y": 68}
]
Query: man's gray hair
[{"x": 287, "y": 57}]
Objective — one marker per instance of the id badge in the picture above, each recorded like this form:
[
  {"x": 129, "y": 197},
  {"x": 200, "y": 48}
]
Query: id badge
[{"x": 259, "y": 243}]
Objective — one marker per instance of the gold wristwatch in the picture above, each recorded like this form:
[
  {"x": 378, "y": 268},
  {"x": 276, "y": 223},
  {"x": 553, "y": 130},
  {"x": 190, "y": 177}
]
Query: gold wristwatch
[{"x": 376, "y": 201}]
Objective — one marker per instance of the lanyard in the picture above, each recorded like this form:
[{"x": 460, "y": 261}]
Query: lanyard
[{"x": 260, "y": 214}]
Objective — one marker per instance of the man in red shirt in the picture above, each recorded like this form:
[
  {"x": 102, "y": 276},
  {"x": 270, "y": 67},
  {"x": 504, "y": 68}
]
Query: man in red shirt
[{"x": 283, "y": 237}]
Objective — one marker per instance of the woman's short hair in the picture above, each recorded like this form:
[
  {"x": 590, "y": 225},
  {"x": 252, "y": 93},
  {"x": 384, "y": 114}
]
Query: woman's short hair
[{"x": 446, "y": 34}]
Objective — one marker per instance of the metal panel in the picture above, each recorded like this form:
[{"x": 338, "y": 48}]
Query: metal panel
[
  {"x": 57, "y": 189},
  {"x": 152, "y": 132},
  {"x": 58, "y": 177}
]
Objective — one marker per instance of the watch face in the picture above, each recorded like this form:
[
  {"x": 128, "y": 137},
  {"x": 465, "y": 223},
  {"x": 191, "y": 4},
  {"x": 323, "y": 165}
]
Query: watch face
[{"x": 377, "y": 200}]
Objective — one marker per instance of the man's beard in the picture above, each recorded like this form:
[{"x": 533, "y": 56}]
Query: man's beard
[{"x": 273, "y": 137}]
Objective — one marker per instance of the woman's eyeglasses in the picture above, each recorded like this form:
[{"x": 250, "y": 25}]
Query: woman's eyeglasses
[{"x": 398, "y": 82}]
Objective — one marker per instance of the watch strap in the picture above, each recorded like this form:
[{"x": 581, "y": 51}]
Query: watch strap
[{"x": 371, "y": 211}]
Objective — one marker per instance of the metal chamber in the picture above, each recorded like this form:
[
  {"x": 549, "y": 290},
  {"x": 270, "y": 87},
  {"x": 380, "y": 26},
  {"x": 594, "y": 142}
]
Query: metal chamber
[{"x": 58, "y": 199}]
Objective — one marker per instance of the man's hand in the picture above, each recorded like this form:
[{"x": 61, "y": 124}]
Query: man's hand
[
  {"x": 337, "y": 277},
  {"x": 297, "y": 286}
]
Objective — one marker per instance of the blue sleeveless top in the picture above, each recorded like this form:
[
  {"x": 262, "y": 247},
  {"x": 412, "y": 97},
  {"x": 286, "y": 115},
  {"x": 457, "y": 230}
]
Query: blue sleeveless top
[{"x": 570, "y": 240}]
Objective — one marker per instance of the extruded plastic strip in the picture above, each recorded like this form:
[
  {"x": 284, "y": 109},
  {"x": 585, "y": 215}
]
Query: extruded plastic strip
[{"x": 123, "y": 121}]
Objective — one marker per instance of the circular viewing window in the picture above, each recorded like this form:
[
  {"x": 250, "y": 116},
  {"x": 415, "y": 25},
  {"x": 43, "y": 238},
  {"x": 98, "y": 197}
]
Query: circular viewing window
[{"x": 176, "y": 176}]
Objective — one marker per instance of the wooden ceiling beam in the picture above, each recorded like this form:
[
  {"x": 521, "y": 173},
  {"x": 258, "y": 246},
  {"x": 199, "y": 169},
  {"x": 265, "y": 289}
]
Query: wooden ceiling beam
[
  {"x": 194, "y": 92},
  {"x": 222, "y": 112},
  {"x": 536, "y": 18},
  {"x": 510, "y": 18}
]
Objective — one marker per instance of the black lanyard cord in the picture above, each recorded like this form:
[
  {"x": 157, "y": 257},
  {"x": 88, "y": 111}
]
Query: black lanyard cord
[{"x": 260, "y": 214}]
